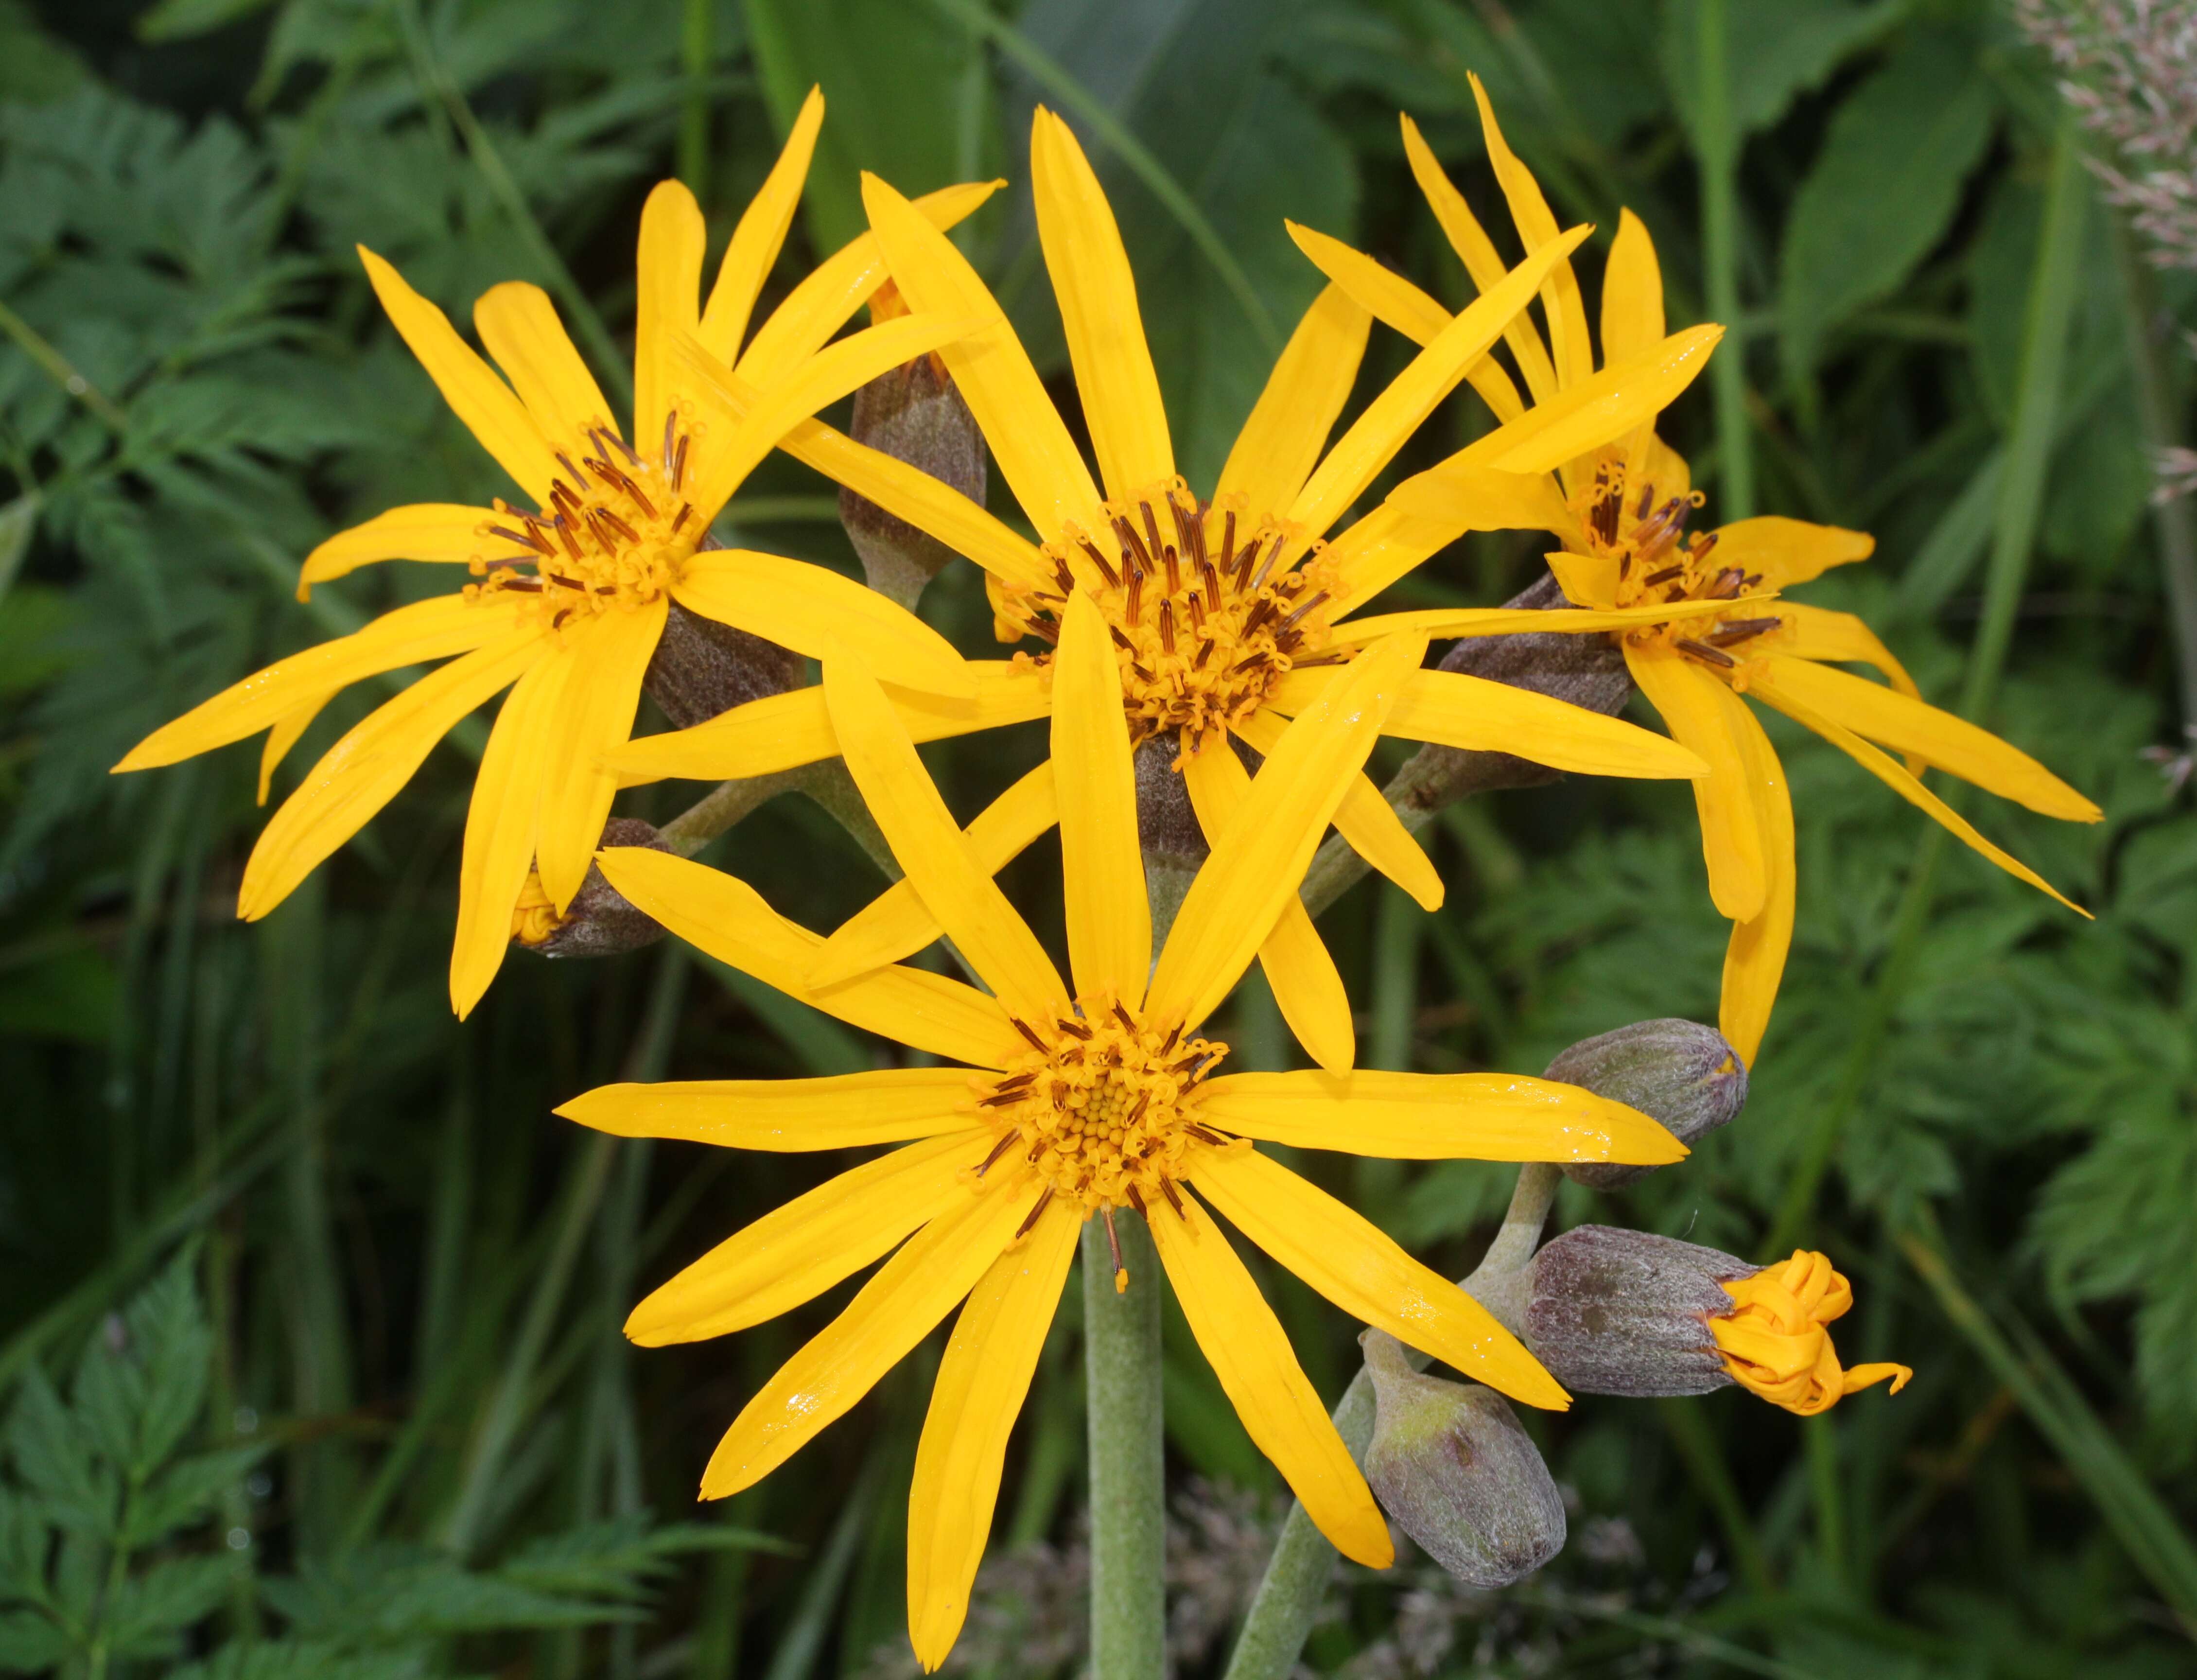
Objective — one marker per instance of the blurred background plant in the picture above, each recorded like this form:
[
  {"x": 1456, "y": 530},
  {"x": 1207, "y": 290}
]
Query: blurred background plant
[{"x": 407, "y": 1390}]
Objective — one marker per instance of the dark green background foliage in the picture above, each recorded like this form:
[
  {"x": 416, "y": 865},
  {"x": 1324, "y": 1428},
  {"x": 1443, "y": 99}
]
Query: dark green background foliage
[{"x": 370, "y": 1412}]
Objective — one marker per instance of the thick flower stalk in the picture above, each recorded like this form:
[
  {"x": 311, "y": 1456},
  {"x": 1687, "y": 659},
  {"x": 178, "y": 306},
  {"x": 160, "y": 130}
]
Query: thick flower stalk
[
  {"x": 1620, "y": 510},
  {"x": 1097, "y": 1096},
  {"x": 572, "y": 592},
  {"x": 1225, "y": 613}
]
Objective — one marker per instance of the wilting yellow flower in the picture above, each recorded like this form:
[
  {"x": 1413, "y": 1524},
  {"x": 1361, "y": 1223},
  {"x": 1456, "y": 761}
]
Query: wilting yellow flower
[
  {"x": 1098, "y": 1097},
  {"x": 574, "y": 595},
  {"x": 1620, "y": 510},
  {"x": 1774, "y": 1340},
  {"x": 1225, "y": 617}
]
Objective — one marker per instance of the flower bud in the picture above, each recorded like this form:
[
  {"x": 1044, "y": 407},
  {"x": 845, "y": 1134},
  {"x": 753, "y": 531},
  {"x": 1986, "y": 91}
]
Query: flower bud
[
  {"x": 1680, "y": 1074},
  {"x": 599, "y": 922},
  {"x": 701, "y": 668},
  {"x": 1450, "y": 1464}
]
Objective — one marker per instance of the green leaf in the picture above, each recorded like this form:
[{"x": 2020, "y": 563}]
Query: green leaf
[
  {"x": 151, "y": 1609},
  {"x": 31, "y": 1644},
  {"x": 1777, "y": 49},
  {"x": 301, "y": 1659},
  {"x": 180, "y": 20},
  {"x": 50, "y": 1451},
  {"x": 186, "y": 1491}
]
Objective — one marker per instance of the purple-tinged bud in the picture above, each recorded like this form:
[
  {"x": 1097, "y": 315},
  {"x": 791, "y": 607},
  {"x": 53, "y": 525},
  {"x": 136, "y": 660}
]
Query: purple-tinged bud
[
  {"x": 1613, "y": 1311},
  {"x": 1450, "y": 1464},
  {"x": 702, "y": 668},
  {"x": 1680, "y": 1074},
  {"x": 599, "y": 922}
]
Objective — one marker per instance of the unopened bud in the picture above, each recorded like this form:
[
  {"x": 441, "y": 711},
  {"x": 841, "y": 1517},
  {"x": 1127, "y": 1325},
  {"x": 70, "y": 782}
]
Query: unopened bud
[
  {"x": 1680, "y": 1074},
  {"x": 702, "y": 668},
  {"x": 1449, "y": 1461},
  {"x": 599, "y": 922},
  {"x": 1167, "y": 827}
]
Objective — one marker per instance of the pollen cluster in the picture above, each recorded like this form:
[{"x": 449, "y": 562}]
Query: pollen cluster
[
  {"x": 1659, "y": 561},
  {"x": 616, "y": 531}
]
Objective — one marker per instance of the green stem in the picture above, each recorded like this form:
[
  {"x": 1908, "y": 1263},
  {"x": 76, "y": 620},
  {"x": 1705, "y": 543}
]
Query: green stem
[
  {"x": 697, "y": 47},
  {"x": 1718, "y": 149},
  {"x": 58, "y": 368},
  {"x": 1128, "y": 1483}
]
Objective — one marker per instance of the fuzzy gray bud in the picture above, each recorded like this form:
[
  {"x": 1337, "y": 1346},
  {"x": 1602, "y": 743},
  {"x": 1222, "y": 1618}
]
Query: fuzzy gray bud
[
  {"x": 701, "y": 668},
  {"x": 1449, "y": 1461},
  {"x": 599, "y": 922},
  {"x": 913, "y": 413},
  {"x": 1680, "y": 1074},
  {"x": 1613, "y": 1311}
]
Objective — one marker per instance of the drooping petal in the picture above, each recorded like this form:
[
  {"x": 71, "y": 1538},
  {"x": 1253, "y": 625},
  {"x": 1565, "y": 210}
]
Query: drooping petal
[
  {"x": 1631, "y": 292},
  {"x": 929, "y": 846},
  {"x": 1102, "y": 865},
  {"x": 1706, "y": 716},
  {"x": 1816, "y": 632},
  {"x": 980, "y": 1385},
  {"x": 1354, "y": 1263},
  {"x": 1463, "y": 496},
  {"x": 518, "y": 325},
  {"x": 1366, "y": 821},
  {"x": 889, "y": 1105},
  {"x": 501, "y": 825},
  {"x": 1452, "y": 709},
  {"x": 1383, "y": 546},
  {"x": 894, "y": 1310},
  {"x": 1280, "y": 443},
  {"x": 803, "y": 1246},
  {"x": 724, "y": 916},
  {"x": 1786, "y": 552},
  {"x": 1282, "y": 1412},
  {"x": 1568, "y": 347},
  {"x": 1599, "y": 409},
  {"x": 1435, "y": 1117},
  {"x": 476, "y": 396},
  {"x": 1437, "y": 622},
  {"x": 448, "y": 531},
  {"x": 595, "y": 713},
  {"x": 1754, "y": 957},
  {"x": 668, "y": 274},
  {"x": 757, "y": 240}
]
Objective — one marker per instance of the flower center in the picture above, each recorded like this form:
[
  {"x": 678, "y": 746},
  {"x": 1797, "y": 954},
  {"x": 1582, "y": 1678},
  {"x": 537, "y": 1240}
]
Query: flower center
[
  {"x": 1205, "y": 618},
  {"x": 1659, "y": 562},
  {"x": 614, "y": 533}
]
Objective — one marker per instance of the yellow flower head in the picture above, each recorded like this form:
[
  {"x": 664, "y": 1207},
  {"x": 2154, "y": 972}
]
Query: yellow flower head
[
  {"x": 574, "y": 590},
  {"x": 1775, "y": 1341},
  {"x": 1095, "y": 1094}
]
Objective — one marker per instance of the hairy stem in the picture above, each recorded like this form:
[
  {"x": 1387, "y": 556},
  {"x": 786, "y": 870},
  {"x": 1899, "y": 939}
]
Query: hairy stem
[{"x": 1128, "y": 1486}]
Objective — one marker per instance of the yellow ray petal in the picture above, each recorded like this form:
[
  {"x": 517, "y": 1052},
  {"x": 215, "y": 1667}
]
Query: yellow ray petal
[
  {"x": 727, "y": 917},
  {"x": 894, "y": 1310},
  {"x": 1036, "y": 456},
  {"x": 897, "y": 923},
  {"x": 1816, "y": 632},
  {"x": 1309, "y": 992},
  {"x": 1435, "y": 1117},
  {"x": 843, "y": 1111},
  {"x": 362, "y": 772},
  {"x": 787, "y": 730},
  {"x": 1383, "y": 546},
  {"x": 1786, "y": 552},
  {"x": 1355, "y": 1264},
  {"x": 501, "y": 825},
  {"x": 1953, "y": 744},
  {"x": 1452, "y": 709},
  {"x": 762, "y": 231},
  {"x": 1464, "y": 496},
  {"x": 1754, "y": 958},
  {"x": 1568, "y": 347},
  {"x": 1367, "y": 821},
  {"x": 816, "y": 611},
  {"x": 595, "y": 713},
  {"x": 798, "y": 1250},
  {"x": 929, "y": 843},
  {"x": 980, "y": 1385},
  {"x": 1631, "y": 292},
  {"x": 1259, "y": 861},
  {"x": 1588, "y": 579},
  {"x": 1102, "y": 865},
  {"x": 1281, "y": 1411},
  {"x": 518, "y": 325},
  {"x": 1278, "y": 448},
  {"x": 1703, "y": 714},
  {"x": 1437, "y": 623},
  {"x": 668, "y": 272},
  {"x": 285, "y": 735},
  {"x": 1098, "y": 294},
  {"x": 498, "y": 419},
  {"x": 426, "y": 530},
  {"x": 1887, "y": 771},
  {"x": 1599, "y": 409}
]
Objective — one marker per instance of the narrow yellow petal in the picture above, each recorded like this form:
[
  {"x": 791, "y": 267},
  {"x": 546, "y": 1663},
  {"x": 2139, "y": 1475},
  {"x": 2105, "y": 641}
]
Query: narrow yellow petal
[
  {"x": 668, "y": 272},
  {"x": 1437, "y": 622},
  {"x": 363, "y": 771},
  {"x": 1591, "y": 580},
  {"x": 1354, "y": 1263},
  {"x": 930, "y": 847},
  {"x": 1309, "y": 992},
  {"x": 798, "y": 1250},
  {"x": 1279, "y": 445},
  {"x": 759, "y": 235},
  {"x": 1097, "y": 295},
  {"x": 1786, "y": 552},
  {"x": 1631, "y": 293},
  {"x": 1102, "y": 864},
  {"x": 1754, "y": 959},
  {"x": 518, "y": 325},
  {"x": 1816, "y": 632},
  {"x": 1452, "y": 709},
  {"x": 448, "y": 531},
  {"x": 285, "y": 735},
  {"x": 816, "y": 611},
  {"x": 1258, "y": 861},
  {"x": 843, "y": 1111},
  {"x": 1382, "y": 547},
  {"x": 1466, "y": 496},
  {"x": 1568, "y": 347},
  {"x": 498, "y": 419},
  {"x": 894, "y": 1310},
  {"x": 500, "y": 823},
  {"x": 727, "y": 917},
  {"x": 1435, "y": 1117},
  {"x": 1036, "y": 456},
  {"x": 897, "y": 923},
  {"x": 981, "y": 1384},
  {"x": 1706, "y": 716},
  {"x": 595, "y": 713},
  {"x": 1908, "y": 725},
  {"x": 1599, "y": 409},
  {"x": 1282, "y": 1412},
  {"x": 1366, "y": 820}
]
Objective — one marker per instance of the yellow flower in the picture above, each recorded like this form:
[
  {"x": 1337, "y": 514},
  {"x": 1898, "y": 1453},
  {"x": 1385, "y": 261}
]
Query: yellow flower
[
  {"x": 1620, "y": 510},
  {"x": 574, "y": 595},
  {"x": 1098, "y": 1097},
  {"x": 1774, "y": 1340},
  {"x": 1225, "y": 617}
]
